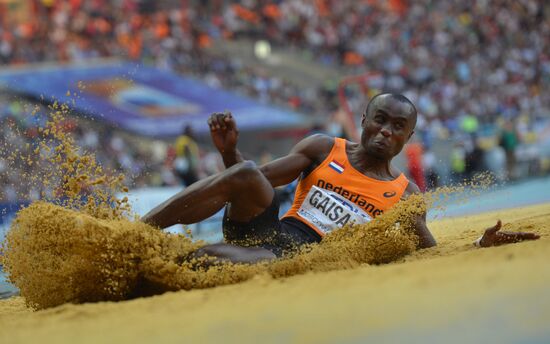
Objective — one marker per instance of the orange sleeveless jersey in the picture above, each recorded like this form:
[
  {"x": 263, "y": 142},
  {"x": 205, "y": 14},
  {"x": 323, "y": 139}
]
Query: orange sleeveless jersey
[{"x": 336, "y": 174}]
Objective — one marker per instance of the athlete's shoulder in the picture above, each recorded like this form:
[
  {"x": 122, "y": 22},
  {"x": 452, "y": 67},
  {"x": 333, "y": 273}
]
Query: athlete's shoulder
[
  {"x": 395, "y": 172},
  {"x": 412, "y": 188},
  {"x": 316, "y": 148},
  {"x": 317, "y": 142},
  {"x": 322, "y": 138}
]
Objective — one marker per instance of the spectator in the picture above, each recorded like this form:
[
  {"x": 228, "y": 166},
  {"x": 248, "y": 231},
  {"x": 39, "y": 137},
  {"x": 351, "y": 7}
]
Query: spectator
[
  {"x": 458, "y": 162},
  {"x": 414, "y": 153},
  {"x": 186, "y": 162},
  {"x": 509, "y": 141},
  {"x": 430, "y": 169},
  {"x": 474, "y": 159}
]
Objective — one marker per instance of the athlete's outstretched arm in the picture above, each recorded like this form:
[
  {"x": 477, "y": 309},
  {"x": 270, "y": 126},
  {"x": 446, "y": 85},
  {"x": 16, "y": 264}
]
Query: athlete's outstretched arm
[{"x": 492, "y": 236}]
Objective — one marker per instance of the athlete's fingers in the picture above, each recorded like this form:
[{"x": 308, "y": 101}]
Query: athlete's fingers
[
  {"x": 229, "y": 120},
  {"x": 221, "y": 121},
  {"x": 494, "y": 229},
  {"x": 211, "y": 124},
  {"x": 525, "y": 236},
  {"x": 531, "y": 236},
  {"x": 215, "y": 118},
  {"x": 213, "y": 121},
  {"x": 513, "y": 237}
]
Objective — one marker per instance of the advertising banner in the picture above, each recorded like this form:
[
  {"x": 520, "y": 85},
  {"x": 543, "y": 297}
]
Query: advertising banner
[{"x": 143, "y": 99}]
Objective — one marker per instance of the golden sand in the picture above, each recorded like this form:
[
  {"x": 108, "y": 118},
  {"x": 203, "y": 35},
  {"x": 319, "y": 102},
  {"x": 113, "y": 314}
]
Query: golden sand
[
  {"x": 82, "y": 246},
  {"x": 62, "y": 254},
  {"x": 56, "y": 255},
  {"x": 425, "y": 291}
]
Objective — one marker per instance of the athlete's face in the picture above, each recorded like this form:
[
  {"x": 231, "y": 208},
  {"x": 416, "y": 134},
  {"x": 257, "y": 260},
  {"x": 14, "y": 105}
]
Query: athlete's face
[{"x": 387, "y": 127}]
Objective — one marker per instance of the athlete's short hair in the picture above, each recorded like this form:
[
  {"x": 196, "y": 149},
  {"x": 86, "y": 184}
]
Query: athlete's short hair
[{"x": 399, "y": 97}]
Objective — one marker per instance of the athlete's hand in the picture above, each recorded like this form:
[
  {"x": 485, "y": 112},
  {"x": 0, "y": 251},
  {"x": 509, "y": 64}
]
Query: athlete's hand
[
  {"x": 224, "y": 132},
  {"x": 494, "y": 237}
]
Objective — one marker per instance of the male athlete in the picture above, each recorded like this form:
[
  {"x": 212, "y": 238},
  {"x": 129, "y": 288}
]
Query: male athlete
[{"x": 340, "y": 182}]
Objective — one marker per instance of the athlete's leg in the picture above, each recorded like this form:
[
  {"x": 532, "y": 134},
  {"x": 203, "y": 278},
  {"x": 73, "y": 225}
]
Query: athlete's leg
[
  {"x": 233, "y": 254},
  {"x": 242, "y": 186}
]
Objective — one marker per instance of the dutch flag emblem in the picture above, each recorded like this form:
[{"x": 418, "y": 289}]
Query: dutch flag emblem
[{"x": 336, "y": 166}]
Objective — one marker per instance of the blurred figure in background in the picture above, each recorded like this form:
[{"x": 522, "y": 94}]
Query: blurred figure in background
[
  {"x": 495, "y": 161},
  {"x": 509, "y": 141},
  {"x": 265, "y": 156},
  {"x": 339, "y": 125},
  {"x": 318, "y": 128},
  {"x": 186, "y": 162},
  {"x": 414, "y": 164},
  {"x": 474, "y": 159},
  {"x": 458, "y": 162},
  {"x": 429, "y": 161},
  {"x": 210, "y": 164}
]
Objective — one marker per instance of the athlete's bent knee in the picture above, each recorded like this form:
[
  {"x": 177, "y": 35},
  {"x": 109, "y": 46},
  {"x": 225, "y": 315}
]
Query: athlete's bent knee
[
  {"x": 245, "y": 173},
  {"x": 247, "y": 168}
]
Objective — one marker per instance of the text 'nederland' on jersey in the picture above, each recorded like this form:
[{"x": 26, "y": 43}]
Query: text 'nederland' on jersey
[{"x": 354, "y": 197}]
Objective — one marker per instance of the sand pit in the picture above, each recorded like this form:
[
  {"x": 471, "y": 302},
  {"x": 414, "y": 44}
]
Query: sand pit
[
  {"x": 56, "y": 255},
  {"x": 453, "y": 292},
  {"x": 86, "y": 248}
]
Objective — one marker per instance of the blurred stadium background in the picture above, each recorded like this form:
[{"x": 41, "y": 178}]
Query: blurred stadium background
[{"x": 142, "y": 76}]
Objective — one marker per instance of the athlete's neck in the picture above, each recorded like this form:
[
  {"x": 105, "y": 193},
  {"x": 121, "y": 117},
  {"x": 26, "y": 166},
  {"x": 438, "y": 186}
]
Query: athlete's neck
[{"x": 368, "y": 164}]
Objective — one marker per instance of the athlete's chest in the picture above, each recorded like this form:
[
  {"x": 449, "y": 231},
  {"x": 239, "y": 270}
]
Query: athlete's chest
[{"x": 371, "y": 195}]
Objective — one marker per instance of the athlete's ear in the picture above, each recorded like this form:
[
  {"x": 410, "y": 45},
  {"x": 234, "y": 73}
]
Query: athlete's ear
[
  {"x": 410, "y": 135},
  {"x": 363, "y": 119}
]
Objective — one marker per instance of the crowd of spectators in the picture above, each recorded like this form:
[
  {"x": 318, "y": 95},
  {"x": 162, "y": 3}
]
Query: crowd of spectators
[
  {"x": 171, "y": 35},
  {"x": 466, "y": 64},
  {"x": 455, "y": 58}
]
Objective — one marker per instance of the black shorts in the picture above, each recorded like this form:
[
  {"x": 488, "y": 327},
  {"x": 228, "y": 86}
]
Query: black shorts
[{"x": 266, "y": 230}]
